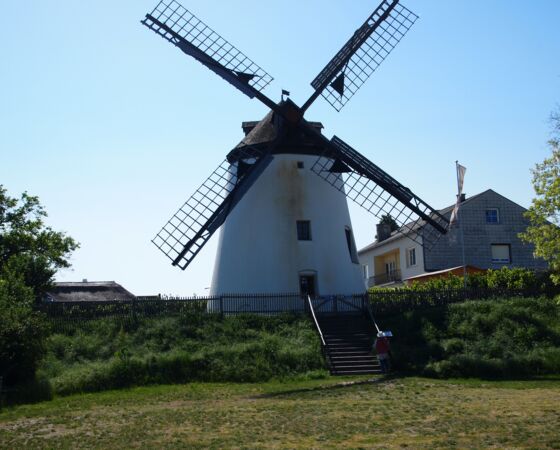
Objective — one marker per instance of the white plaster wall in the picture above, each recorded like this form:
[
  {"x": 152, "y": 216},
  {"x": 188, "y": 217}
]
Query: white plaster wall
[
  {"x": 404, "y": 245},
  {"x": 258, "y": 251}
]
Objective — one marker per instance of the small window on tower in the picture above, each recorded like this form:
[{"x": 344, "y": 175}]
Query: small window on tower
[
  {"x": 351, "y": 245},
  {"x": 303, "y": 230},
  {"x": 300, "y": 164}
]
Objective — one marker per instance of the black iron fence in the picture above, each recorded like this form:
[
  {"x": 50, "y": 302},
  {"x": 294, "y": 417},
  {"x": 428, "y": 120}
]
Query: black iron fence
[{"x": 386, "y": 302}]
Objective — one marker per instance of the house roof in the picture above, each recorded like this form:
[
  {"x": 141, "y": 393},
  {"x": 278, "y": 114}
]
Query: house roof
[
  {"x": 88, "y": 291},
  {"x": 468, "y": 268},
  {"x": 411, "y": 226}
]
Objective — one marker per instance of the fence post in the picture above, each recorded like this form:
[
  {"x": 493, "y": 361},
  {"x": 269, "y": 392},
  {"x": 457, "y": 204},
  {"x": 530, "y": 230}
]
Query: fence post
[{"x": 221, "y": 305}]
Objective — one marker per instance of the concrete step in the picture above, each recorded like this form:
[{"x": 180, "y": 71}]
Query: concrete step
[
  {"x": 356, "y": 372},
  {"x": 350, "y": 352},
  {"x": 342, "y": 358}
]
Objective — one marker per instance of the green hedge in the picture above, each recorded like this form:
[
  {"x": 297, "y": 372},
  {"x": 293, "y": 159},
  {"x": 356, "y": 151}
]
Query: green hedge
[
  {"x": 504, "y": 338},
  {"x": 506, "y": 279}
]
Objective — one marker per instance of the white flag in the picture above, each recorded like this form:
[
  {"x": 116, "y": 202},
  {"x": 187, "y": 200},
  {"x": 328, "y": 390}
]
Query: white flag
[{"x": 460, "y": 180}]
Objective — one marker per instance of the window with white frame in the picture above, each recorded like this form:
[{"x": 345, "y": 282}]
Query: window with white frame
[
  {"x": 492, "y": 215},
  {"x": 501, "y": 253},
  {"x": 411, "y": 257}
]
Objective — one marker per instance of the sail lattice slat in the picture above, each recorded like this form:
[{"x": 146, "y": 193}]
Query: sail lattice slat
[
  {"x": 380, "y": 194},
  {"x": 365, "y": 51},
  {"x": 188, "y": 230},
  {"x": 187, "y": 26}
]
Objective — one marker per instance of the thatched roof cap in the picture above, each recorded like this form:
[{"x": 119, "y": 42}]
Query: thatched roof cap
[{"x": 88, "y": 291}]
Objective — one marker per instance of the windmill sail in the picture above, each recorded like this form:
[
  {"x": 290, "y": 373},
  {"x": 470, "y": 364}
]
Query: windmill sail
[
  {"x": 173, "y": 22},
  {"x": 368, "y": 47},
  {"x": 378, "y": 193},
  {"x": 184, "y": 235}
]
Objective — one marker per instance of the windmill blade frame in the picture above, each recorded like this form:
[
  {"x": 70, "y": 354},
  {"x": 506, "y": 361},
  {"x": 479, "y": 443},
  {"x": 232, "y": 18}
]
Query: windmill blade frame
[
  {"x": 362, "y": 54},
  {"x": 377, "y": 192},
  {"x": 194, "y": 223},
  {"x": 176, "y": 24}
]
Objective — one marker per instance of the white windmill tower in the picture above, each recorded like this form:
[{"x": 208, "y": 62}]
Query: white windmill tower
[{"x": 285, "y": 229}]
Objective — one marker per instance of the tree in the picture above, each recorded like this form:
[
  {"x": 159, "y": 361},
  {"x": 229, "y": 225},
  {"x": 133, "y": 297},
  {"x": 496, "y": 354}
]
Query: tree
[
  {"x": 544, "y": 212},
  {"x": 28, "y": 248},
  {"x": 30, "y": 255},
  {"x": 388, "y": 219},
  {"x": 22, "y": 332}
]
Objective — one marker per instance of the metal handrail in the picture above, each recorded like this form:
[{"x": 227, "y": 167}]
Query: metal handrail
[
  {"x": 316, "y": 321},
  {"x": 370, "y": 314}
]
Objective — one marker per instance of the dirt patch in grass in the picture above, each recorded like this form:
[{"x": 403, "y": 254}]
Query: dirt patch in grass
[{"x": 397, "y": 413}]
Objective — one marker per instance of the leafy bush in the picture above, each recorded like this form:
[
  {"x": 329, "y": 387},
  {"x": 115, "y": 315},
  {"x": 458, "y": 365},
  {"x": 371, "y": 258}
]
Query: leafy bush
[
  {"x": 489, "y": 338},
  {"x": 38, "y": 389},
  {"x": 22, "y": 333},
  {"x": 505, "y": 279}
]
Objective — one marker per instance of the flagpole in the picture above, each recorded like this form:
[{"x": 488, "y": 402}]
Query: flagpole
[{"x": 459, "y": 188}]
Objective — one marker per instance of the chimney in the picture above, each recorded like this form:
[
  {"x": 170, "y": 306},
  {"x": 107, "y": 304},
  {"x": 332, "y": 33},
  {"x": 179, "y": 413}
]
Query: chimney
[
  {"x": 84, "y": 280},
  {"x": 383, "y": 231},
  {"x": 462, "y": 198}
]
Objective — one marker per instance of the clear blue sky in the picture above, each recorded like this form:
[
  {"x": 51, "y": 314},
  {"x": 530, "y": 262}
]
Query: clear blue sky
[{"x": 114, "y": 128}]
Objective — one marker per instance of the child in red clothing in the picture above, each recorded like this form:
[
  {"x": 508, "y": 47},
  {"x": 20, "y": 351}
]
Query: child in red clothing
[{"x": 382, "y": 348}]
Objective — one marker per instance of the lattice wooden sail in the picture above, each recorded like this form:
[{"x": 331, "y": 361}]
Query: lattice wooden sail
[
  {"x": 378, "y": 193},
  {"x": 175, "y": 23},
  {"x": 363, "y": 53},
  {"x": 188, "y": 230}
]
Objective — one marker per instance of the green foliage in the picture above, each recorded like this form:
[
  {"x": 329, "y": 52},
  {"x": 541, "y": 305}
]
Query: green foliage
[
  {"x": 101, "y": 354},
  {"x": 505, "y": 338},
  {"x": 28, "y": 248},
  {"x": 544, "y": 213},
  {"x": 506, "y": 278},
  {"x": 22, "y": 332},
  {"x": 31, "y": 391},
  {"x": 30, "y": 255},
  {"x": 388, "y": 219}
]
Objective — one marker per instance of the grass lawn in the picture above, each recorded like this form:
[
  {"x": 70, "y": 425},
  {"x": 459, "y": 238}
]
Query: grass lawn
[{"x": 330, "y": 413}]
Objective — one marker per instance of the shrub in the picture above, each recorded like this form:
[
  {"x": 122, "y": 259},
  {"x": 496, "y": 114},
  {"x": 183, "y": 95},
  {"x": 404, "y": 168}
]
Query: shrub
[
  {"x": 505, "y": 279},
  {"x": 502, "y": 338},
  {"x": 35, "y": 390},
  {"x": 22, "y": 333}
]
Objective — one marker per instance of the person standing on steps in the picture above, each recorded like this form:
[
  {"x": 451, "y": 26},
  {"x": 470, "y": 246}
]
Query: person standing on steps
[{"x": 382, "y": 348}]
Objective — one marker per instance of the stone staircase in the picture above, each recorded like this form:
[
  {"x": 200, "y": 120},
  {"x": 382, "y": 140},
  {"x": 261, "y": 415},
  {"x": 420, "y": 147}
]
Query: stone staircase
[{"x": 348, "y": 343}]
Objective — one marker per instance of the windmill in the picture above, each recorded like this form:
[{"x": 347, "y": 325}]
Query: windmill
[{"x": 278, "y": 195}]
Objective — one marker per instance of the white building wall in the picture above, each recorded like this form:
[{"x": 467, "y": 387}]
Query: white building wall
[
  {"x": 403, "y": 244},
  {"x": 258, "y": 250}
]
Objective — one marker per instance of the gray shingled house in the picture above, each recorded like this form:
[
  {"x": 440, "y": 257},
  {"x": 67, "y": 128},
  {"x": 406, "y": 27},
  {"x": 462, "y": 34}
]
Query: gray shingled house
[
  {"x": 87, "y": 291},
  {"x": 490, "y": 223}
]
